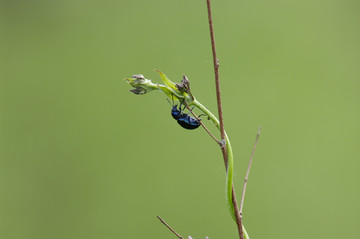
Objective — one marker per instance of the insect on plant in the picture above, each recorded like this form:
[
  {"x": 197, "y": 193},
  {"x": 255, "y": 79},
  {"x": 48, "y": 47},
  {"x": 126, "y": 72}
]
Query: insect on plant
[
  {"x": 182, "y": 93},
  {"x": 184, "y": 120}
]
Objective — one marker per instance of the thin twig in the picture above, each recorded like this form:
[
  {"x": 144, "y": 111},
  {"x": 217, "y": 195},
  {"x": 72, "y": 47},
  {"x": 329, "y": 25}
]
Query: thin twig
[
  {"x": 206, "y": 129},
  {"x": 216, "y": 71},
  {"x": 248, "y": 171},
  {"x": 167, "y": 225},
  {"x": 222, "y": 131},
  {"x": 237, "y": 214}
]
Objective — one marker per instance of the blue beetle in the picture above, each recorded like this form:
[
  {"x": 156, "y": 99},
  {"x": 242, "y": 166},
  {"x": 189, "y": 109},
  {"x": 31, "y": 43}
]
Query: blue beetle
[{"x": 184, "y": 120}]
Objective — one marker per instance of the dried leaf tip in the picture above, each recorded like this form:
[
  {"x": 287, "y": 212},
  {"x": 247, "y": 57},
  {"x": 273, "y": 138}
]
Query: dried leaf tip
[{"x": 184, "y": 87}]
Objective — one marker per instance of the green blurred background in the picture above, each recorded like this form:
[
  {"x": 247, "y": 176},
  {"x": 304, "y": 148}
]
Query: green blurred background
[{"x": 82, "y": 157}]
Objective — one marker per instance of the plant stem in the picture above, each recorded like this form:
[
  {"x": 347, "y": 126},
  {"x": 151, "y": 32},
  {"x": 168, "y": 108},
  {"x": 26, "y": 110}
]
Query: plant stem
[
  {"x": 206, "y": 129},
  {"x": 216, "y": 70},
  {"x": 170, "y": 228},
  {"x": 225, "y": 151},
  {"x": 248, "y": 172},
  {"x": 229, "y": 164}
]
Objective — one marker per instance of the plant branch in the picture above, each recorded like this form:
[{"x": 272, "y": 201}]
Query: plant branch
[
  {"x": 167, "y": 225},
  {"x": 248, "y": 171},
  {"x": 230, "y": 192},
  {"x": 225, "y": 150},
  {"x": 206, "y": 129},
  {"x": 216, "y": 71}
]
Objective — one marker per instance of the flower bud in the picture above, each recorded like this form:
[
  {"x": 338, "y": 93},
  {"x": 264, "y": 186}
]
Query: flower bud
[
  {"x": 141, "y": 85},
  {"x": 173, "y": 90}
]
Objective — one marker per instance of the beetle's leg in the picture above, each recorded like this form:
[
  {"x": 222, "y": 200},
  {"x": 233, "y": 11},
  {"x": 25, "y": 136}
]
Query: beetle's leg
[
  {"x": 190, "y": 111},
  {"x": 180, "y": 107}
]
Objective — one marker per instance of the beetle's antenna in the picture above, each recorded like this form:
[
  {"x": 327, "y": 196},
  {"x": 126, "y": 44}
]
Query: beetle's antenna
[
  {"x": 169, "y": 102},
  {"x": 172, "y": 98}
]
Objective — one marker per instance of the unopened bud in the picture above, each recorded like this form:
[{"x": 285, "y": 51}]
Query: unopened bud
[
  {"x": 138, "y": 77},
  {"x": 141, "y": 84},
  {"x": 138, "y": 91}
]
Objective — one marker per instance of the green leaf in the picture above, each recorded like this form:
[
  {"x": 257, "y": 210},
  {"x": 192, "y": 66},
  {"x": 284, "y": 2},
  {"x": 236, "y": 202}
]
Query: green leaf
[
  {"x": 166, "y": 80},
  {"x": 170, "y": 93}
]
